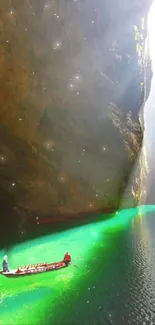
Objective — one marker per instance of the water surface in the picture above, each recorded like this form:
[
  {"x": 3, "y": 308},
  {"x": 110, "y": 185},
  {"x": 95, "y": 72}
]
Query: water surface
[{"x": 111, "y": 281}]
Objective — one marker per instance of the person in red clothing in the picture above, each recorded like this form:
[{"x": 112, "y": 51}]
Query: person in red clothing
[{"x": 67, "y": 258}]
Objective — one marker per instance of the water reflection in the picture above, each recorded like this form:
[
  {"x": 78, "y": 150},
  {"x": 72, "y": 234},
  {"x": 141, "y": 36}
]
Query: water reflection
[
  {"x": 111, "y": 281},
  {"x": 121, "y": 285}
]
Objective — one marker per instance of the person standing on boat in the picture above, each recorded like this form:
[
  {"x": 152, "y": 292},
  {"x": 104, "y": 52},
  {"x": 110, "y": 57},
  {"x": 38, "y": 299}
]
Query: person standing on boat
[
  {"x": 67, "y": 258},
  {"x": 5, "y": 264}
]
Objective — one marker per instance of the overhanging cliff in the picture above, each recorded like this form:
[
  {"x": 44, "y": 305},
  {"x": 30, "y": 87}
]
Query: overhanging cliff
[{"x": 73, "y": 80}]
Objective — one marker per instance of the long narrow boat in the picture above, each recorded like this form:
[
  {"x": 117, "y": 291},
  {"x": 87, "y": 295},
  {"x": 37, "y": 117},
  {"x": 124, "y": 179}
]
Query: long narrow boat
[{"x": 34, "y": 269}]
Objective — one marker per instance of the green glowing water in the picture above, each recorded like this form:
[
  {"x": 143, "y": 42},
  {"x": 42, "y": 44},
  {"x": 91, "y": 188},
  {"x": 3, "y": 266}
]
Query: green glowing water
[{"x": 28, "y": 300}]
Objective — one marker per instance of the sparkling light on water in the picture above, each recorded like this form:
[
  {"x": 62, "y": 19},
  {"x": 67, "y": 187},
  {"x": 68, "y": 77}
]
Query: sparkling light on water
[{"x": 27, "y": 300}]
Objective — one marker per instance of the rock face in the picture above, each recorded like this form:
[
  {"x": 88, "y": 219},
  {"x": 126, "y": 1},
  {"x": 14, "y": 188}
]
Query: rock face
[{"x": 72, "y": 85}]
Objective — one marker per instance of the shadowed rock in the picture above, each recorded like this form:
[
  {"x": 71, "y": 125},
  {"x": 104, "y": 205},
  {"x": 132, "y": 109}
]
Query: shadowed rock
[{"x": 72, "y": 85}]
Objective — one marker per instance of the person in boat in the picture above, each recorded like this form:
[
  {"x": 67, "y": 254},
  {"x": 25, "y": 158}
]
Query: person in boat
[
  {"x": 67, "y": 258},
  {"x": 5, "y": 264}
]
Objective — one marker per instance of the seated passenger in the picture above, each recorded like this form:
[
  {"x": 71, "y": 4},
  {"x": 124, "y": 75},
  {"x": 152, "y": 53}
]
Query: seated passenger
[
  {"x": 67, "y": 258},
  {"x": 5, "y": 264}
]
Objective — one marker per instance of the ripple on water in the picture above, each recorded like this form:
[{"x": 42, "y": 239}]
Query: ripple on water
[{"x": 124, "y": 284}]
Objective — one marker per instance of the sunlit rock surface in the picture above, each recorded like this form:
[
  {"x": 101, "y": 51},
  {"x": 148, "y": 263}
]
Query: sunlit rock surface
[{"x": 72, "y": 85}]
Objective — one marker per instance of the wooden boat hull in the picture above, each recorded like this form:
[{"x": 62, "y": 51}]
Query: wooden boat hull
[{"x": 34, "y": 269}]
